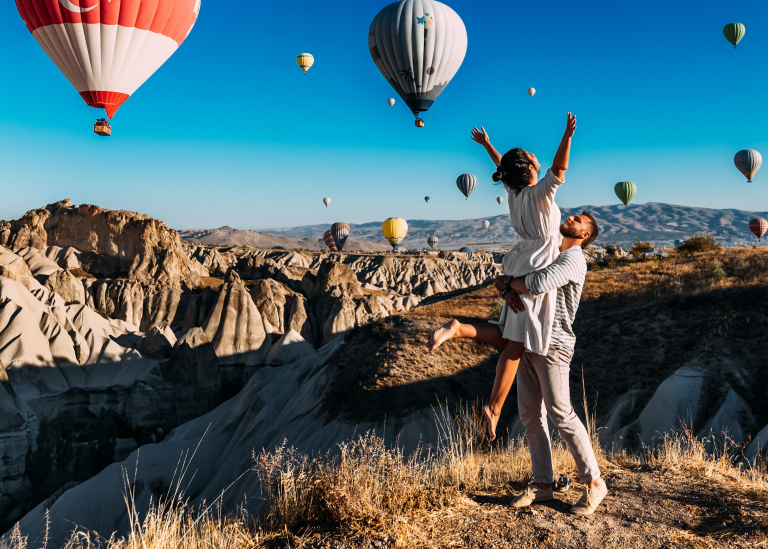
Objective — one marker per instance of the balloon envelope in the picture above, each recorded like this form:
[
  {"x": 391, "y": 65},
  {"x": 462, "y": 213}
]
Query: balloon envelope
[
  {"x": 677, "y": 243},
  {"x": 758, "y": 226},
  {"x": 305, "y": 61},
  {"x": 340, "y": 232},
  {"x": 531, "y": 91},
  {"x": 426, "y": 199},
  {"x": 734, "y": 32},
  {"x": 394, "y": 230},
  {"x": 467, "y": 250},
  {"x": 391, "y": 102},
  {"x": 418, "y": 45},
  {"x": 626, "y": 191},
  {"x": 466, "y": 184},
  {"x": 499, "y": 199},
  {"x": 108, "y": 49},
  {"x": 432, "y": 241},
  {"x": 326, "y": 201},
  {"x": 486, "y": 224},
  {"x": 748, "y": 162},
  {"x": 328, "y": 239}
]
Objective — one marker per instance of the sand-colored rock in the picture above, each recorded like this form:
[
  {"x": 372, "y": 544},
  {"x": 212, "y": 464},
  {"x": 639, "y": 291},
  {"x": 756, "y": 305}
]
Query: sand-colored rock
[
  {"x": 67, "y": 285},
  {"x": 289, "y": 348}
]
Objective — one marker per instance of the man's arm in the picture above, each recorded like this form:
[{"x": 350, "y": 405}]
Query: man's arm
[{"x": 566, "y": 268}]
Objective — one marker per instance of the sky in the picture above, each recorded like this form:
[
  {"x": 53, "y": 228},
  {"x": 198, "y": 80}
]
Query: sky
[{"x": 230, "y": 132}]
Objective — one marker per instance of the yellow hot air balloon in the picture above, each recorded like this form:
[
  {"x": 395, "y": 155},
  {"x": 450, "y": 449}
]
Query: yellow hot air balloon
[
  {"x": 394, "y": 229},
  {"x": 305, "y": 60}
]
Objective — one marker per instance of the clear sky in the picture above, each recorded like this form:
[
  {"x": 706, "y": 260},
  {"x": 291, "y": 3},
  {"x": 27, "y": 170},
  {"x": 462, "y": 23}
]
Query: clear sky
[{"x": 229, "y": 131}]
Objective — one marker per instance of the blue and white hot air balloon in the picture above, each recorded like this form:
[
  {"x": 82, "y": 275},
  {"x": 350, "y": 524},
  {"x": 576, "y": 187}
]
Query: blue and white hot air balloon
[
  {"x": 418, "y": 45},
  {"x": 466, "y": 183}
]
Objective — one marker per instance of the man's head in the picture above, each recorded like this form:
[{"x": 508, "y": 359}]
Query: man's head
[{"x": 582, "y": 226}]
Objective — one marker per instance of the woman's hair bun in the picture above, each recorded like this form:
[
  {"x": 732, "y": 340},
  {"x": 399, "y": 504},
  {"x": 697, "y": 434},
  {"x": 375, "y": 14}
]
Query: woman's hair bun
[{"x": 498, "y": 175}]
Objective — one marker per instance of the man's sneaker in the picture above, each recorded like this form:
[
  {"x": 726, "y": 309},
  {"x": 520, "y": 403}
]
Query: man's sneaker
[
  {"x": 532, "y": 494},
  {"x": 590, "y": 500}
]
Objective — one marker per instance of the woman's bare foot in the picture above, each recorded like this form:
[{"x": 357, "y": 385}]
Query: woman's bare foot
[
  {"x": 442, "y": 334},
  {"x": 492, "y": 421}
]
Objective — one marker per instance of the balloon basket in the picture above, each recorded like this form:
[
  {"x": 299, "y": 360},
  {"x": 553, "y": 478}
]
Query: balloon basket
[
  {"x": 419, "y": 123},
  {"x": 102, "y": 127}
]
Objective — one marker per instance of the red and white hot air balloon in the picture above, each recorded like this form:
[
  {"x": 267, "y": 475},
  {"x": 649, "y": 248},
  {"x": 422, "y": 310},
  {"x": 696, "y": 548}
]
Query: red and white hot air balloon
[
  {"x": 758, "y": 226},
  {"x": 108, "y": 48}
]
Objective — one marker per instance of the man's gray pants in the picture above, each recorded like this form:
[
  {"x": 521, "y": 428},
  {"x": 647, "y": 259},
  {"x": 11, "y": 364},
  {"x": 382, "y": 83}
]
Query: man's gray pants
[{"x": 543, "y": 388}]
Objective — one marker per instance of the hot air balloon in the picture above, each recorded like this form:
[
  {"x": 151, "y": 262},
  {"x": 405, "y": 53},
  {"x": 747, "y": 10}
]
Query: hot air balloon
[
  {"x": 340, "y": 232},
  {"x": 394, "y": 230},
  {"x": 466, "y": 184},
  {"x": 467, "y": 250},
  {"x": 677, "y": 243},
  {"x": 748, "y": 162},
  {"x": 626, "y": 191},
  {"x": 531, "y": 91},
  {"x": 486, "y": 224},
  {"x": 426, "y": 199},
  {"x": 734, "y": 32},
  {"x": 499, "y": 199},
  {"x": 758, "y": 226},
  {"x": 107, "y": 50},
  {"x": 391, "y": 102},
  {"x": 418, "y": 47},
  {"x": 329, "y": 241},
  {"x": 326, "y": 201},
  {"x": 432, "y": 241},
  {"x": 305, "y": 61}
]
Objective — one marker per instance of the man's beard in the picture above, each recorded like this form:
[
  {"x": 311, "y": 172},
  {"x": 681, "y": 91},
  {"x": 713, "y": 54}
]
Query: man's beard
[{"x": 571, "y": 232}]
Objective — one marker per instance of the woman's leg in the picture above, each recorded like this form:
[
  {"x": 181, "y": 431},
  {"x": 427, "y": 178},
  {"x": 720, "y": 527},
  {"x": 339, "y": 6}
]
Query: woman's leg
[
  {"x": 486, "y": 332},
  {"x": 506, "y": 369}
]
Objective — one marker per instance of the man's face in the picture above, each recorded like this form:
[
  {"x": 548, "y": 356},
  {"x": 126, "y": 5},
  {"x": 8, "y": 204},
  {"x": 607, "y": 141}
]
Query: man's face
[{"x": 575, "y": 227}]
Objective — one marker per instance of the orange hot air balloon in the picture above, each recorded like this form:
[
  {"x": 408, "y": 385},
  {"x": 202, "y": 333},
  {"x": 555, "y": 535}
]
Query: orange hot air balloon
[{"x": 108, "y": 48}]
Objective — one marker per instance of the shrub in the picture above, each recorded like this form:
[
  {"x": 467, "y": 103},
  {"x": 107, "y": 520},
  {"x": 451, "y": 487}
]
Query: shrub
[
  {"x": 496, "y": 307},
  {"x": 612, "y": 250},
  {"x": 718, "y": 274},
  {"x": 640, "y": 249},
  {"x": 699, "y": 243}
]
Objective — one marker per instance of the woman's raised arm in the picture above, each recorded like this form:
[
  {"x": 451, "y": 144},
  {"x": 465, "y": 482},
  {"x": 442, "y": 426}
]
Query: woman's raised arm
[
  {"x": 560, "y": 163},
  {"x": 479, "y": 136}
]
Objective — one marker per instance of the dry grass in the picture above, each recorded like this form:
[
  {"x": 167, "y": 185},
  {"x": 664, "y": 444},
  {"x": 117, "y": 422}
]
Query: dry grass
[
  {"x": 680, "y": 275},
  {"x": 370, "y": 491}
]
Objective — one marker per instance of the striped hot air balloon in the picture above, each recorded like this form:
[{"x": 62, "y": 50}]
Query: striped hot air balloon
[
  {"x": 748, "y": 162},
  {"x": 305, "y": 61},
  {"x": 734, "y": 32},
  {"x": 107, "y": 49},
  {"x": 758, "y": 226},
  {"x": 466, "y": 183},
  {"x": 328, "y": 239},
  {"x": 626, "y": 191},
  {"x": 432, "y": 241},
  {"x": 394, "y": 229},
  {"x": 418, "y": 47},
  {"x": 340, "y": 232}
]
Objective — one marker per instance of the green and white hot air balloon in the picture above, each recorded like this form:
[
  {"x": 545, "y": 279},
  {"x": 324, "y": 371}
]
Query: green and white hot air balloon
[
  {"x": 734, "y": 32},
  {"x": 626, "y": 191}
]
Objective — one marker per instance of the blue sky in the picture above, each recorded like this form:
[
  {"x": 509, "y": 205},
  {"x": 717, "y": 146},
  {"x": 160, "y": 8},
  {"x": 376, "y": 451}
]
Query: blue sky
[{"x": 229, "y": 131}]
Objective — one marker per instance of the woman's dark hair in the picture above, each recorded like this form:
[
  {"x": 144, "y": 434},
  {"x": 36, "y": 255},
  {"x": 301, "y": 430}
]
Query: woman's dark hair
[{"x": 514, "y": 170}]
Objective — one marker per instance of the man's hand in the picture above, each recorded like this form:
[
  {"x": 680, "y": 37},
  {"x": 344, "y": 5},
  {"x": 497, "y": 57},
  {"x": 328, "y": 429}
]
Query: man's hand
[
  {"x": 479, "y": 136},
  {"x": 513, "y": 300},
  {"x": 570, "y": 126},
  {"x": 500, "y": 283}
]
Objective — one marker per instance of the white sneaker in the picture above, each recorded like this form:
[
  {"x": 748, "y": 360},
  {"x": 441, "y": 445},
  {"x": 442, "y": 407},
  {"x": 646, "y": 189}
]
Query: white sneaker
[
  {"x": 590, "y": 500},
  {"x": 532, "y": 494}
]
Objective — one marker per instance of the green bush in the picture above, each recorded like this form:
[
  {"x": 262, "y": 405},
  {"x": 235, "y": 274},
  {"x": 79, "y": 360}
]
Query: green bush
[
  {"x": 640, "y": 249},
  {"x": 718, "y": 273},
  {"x": 699, "y": 243}
]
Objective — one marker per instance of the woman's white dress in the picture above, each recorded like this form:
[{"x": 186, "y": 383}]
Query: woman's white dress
[{"x": 536, "y": 218}]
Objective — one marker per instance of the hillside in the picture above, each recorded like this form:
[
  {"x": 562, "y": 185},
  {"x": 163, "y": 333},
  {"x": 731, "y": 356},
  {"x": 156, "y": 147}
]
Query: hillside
[{"x": 659, "y": 341}]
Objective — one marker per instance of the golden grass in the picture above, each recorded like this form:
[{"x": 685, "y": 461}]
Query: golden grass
[{"x": 372, "y": 491}]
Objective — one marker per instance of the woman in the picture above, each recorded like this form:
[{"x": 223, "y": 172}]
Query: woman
[{"x": 536, "y": 219}]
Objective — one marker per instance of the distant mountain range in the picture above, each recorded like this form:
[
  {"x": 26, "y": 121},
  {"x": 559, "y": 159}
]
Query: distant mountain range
[{"x": 660, "y": 224}]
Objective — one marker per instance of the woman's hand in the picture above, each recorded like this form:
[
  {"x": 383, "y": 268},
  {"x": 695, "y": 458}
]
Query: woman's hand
[
  {"x": 512, "y": 298},
  {"x": 570, "y": 126},
  {"x": 479, "y": 136}
]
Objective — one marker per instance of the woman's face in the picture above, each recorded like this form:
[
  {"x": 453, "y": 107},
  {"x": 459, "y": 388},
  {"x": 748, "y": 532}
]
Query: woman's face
[{"x": 534, "y": 167}]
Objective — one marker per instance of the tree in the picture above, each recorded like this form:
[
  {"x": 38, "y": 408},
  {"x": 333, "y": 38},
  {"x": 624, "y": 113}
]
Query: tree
[{"x": 640, "y": 248}]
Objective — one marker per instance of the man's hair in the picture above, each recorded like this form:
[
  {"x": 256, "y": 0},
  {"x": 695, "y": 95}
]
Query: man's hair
[{"x": 592, "y": 228}]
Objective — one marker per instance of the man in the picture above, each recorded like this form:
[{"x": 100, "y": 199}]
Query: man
[{"x": 543, "y": 380}]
